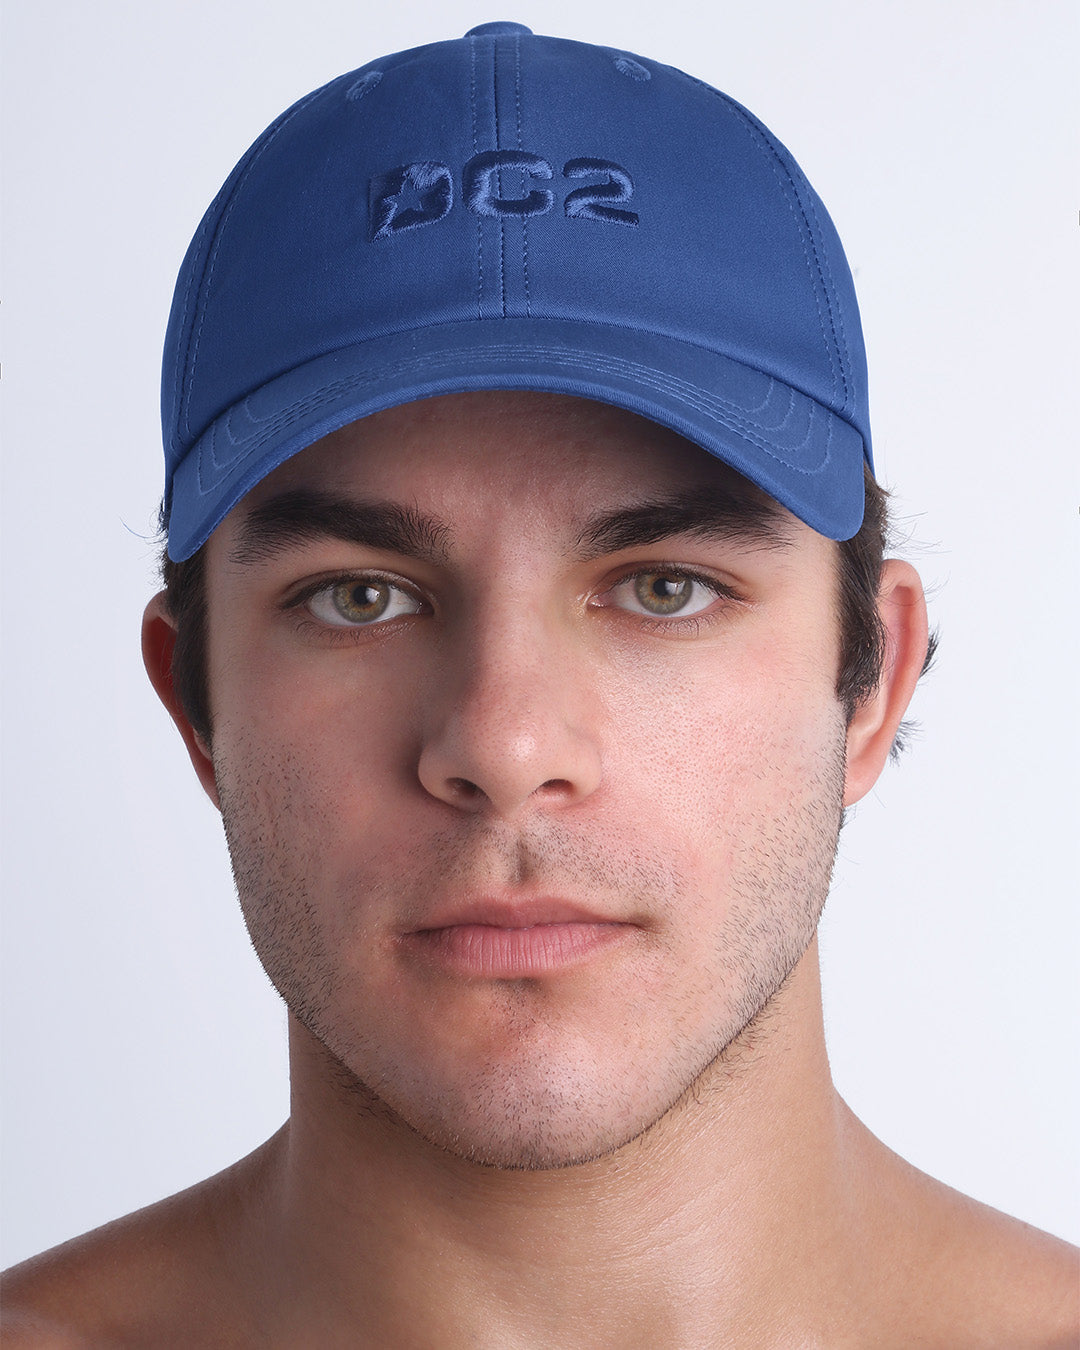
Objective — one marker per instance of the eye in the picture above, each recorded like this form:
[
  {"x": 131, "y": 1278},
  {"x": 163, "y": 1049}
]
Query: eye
[
  {"x": 362, "y": 600},
  {"x": 665, "y": 593}
]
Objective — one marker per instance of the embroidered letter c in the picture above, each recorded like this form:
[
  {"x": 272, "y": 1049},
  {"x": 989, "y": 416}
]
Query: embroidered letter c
[{"x": 481, "y": 184}]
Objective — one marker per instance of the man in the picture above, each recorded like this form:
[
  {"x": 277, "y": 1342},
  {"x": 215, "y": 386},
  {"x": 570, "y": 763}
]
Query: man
[{"x": 526, "y": 617}]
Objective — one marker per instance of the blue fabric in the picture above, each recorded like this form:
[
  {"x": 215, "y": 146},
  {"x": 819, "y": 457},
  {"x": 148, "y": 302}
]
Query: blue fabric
[{"x": 461, "y": 223}]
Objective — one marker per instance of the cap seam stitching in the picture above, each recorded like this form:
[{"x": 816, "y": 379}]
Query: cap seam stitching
[
  {"x": 720, "y": 409},
  {"x": 498, "y": 173},
  {"x": 211, "y": 263},
  {"x": 183, "y": 426},
  {"x": 476, "y": 150},
  {"x": 592, "y": 323},
  {"x": 777, "y": 163},
  {"x": 524, "y": 219}
]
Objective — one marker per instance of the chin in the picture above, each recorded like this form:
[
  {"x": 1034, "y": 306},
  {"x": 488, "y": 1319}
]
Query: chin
[
  {"x": 530, "y": 1142},
  {"x": 544, "y": 1108},
  {"x": 539, "y": 1154},
  {"x": 528, "y": 1138}
]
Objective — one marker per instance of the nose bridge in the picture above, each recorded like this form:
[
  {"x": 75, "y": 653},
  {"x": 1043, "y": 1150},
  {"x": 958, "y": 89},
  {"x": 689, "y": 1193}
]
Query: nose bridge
[{"x": 510, "y": 719}]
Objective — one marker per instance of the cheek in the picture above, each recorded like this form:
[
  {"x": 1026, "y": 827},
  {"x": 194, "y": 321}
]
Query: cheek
[
  {"x": 311, "y": 845},
  {"x": 330, "y": 712},
  {"x": 309, "y": 760},
  {"x": 723, "y": 738}
]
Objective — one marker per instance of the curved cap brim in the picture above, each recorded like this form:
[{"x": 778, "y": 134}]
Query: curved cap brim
[{"x": 802, "y": 454}]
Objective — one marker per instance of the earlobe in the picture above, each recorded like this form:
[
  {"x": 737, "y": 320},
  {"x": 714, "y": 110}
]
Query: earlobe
[
  {"x": 158, "y": 644},
  {"x": 871, "y": 732}
]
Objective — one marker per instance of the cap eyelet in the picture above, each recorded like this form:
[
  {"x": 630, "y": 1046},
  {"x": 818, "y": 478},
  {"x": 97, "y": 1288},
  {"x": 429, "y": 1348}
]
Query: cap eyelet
[
  {"x": 364, "y": 85},
  {"x": 634, "y": 70}
]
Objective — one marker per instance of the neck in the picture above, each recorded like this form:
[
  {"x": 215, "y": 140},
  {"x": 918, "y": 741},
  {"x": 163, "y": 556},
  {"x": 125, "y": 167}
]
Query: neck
[{"x": 736, "y": 1210}]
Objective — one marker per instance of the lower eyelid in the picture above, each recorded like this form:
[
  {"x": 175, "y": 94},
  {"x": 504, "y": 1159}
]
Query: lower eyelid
[{"x": 344, "y": 635}]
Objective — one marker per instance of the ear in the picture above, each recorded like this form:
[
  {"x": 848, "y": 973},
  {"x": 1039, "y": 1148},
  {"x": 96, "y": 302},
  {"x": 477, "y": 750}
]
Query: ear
[
  {"x": 871, "y": 732},
  {"x": 158, "y": 644}
]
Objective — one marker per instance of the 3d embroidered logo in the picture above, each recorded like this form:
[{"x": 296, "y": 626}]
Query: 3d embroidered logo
[{"x": 423, "y": 193}]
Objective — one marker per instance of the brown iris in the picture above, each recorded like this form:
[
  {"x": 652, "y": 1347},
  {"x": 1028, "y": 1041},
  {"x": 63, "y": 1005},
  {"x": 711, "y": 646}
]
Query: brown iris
[
  {"x": 662, "y": 592},
  {"x": 361, "y": 601}
]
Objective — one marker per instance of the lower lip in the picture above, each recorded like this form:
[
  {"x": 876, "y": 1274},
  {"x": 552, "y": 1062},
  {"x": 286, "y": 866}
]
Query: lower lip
[{"x": 485, "y": 951}]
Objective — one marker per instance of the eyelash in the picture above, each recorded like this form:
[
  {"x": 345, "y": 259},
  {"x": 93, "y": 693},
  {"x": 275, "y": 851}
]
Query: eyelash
[
  {"x": 307, "y": 622},
  {"x": 673, "y": 624}
]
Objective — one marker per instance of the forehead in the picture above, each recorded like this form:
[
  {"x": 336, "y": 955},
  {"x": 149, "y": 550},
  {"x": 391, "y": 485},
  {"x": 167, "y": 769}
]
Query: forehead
[{"x": 468, "y": 456}]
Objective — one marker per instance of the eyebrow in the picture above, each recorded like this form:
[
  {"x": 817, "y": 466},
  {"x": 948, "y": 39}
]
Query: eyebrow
[
  {"x": 707, "y": 513},
  {"x": 304, "y": 515}
]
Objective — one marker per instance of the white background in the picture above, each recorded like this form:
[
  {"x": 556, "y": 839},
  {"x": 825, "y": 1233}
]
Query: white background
[{"x": 144, "y": 1048}]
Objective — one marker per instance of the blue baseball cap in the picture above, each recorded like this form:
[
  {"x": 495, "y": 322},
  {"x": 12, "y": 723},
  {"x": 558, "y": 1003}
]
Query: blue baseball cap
[{"x": 508, "y": 211}]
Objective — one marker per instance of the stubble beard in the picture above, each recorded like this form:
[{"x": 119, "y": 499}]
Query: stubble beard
[{"x": 539, "y": 1117}]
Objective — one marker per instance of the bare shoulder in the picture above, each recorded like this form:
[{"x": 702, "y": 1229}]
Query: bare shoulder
[
  {"x": 987, "y": 1280},
  {"x": 1029, "y": 1280},
  {"x": 24, "y": 1330},
  {"x": 96, "y": 1289},
  {"x": 130, "y": 1282}
]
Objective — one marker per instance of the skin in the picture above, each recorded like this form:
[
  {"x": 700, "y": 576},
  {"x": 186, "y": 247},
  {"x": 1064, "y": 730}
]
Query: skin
[{"x": 642, "y": 1148}]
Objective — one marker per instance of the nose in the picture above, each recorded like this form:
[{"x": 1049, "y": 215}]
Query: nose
[{"x": 511, "y": 726}]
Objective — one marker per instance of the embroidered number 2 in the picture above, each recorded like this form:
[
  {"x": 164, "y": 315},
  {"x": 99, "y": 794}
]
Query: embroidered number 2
[{"x": 596, "y": 202}]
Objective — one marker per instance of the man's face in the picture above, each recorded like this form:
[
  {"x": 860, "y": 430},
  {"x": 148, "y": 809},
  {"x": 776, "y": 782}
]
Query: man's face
[{"x": 531, "y": 811}]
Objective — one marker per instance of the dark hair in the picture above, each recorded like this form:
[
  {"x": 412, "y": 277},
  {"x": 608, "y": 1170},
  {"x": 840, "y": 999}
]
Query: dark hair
[
  {"x": 185, "y": 601},
  {"x": 862, "y": 636}
]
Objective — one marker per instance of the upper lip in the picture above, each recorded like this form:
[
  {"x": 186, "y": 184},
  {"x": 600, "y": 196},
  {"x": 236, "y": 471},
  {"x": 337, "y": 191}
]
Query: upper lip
[{"x": 512, "y": 914}]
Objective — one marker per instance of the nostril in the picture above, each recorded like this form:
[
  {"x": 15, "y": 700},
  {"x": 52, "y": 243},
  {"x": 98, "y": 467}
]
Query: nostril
[{"x": 461, "y": 787}]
